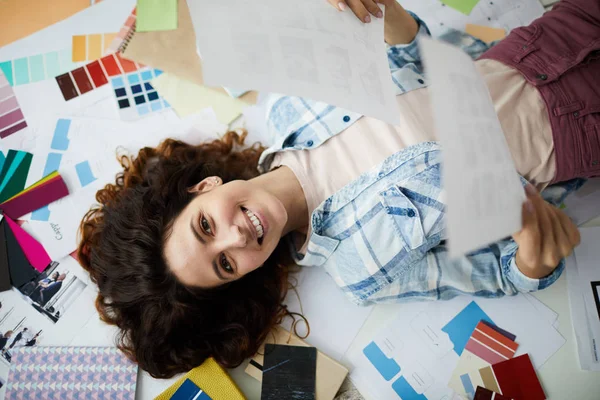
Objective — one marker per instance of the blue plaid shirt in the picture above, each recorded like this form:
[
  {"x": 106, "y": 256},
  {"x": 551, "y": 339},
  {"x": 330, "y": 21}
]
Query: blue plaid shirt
[{"x": 382, "y": 237}]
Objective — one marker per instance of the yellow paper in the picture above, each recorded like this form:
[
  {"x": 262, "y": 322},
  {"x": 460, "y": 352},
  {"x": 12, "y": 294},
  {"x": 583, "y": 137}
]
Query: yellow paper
[
  {"x": 38, "y": 183},
  {"x": 20, "y": 18},
  {"x": 188, "y": 98},
  {"x": 485, "y": 33}
]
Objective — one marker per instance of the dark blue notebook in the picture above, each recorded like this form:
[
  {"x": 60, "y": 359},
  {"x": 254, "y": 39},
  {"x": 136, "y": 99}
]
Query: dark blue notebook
[{"x": 189, "y": 391}]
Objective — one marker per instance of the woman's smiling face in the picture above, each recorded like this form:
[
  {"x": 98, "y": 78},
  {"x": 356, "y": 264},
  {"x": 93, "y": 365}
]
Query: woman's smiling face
[{"x": 225, "y": 232}]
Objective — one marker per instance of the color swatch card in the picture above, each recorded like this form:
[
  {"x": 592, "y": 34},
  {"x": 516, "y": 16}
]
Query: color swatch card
[
  {"x": 486, "y": 346},
  {"x": 515, "y": 378},
  {"x": 37, "y": 68},
  {"x": 13, "y": 173},
  {"x": 464, "y": 6},
  {"x": 97, "y": 73},
  {"x": 91, "y": 47},
  {"x": 93, "y": 75},
  {"x": 71, "y": 373},
  {"x": 12, "y": 119},
  {"x": 486, "y": 394},
  {"x": 289, "y": 372},
  {"x": 40, "y": 194},
  {"x": 135, "y": 95}
]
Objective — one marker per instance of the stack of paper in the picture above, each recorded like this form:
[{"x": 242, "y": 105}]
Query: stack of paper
[
  {"x": 584, "y": 204},
  {"x": 583, "y": 276},
  {"x": 416, "y": 355}
]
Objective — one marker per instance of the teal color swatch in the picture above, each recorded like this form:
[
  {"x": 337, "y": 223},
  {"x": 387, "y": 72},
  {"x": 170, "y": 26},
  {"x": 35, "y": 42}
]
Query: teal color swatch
[
  {"x": 36, "y": 68},
  {"x": 21, "y": 71},
  {"x": 7, "y": 69},
  {"x": 52, "y": 64}
]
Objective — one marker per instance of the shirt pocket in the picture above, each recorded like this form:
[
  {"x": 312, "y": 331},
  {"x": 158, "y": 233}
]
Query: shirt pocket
[
  {"x": 405, "y": 216},
  {"x": 591, "y": 149}
]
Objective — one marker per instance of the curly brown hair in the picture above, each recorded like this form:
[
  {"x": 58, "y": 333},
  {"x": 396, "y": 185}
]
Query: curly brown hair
[{"x": 166, "y": 327}]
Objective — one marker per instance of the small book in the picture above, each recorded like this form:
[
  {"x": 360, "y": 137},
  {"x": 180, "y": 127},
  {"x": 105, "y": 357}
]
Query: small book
[
  {"x": 330, "y": 374},
  {"x": 210, "y": 378},
  {"x": 189, "y": 391}
]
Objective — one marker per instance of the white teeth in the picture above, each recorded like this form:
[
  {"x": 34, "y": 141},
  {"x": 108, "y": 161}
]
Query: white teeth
[{"x": 256, "y": 222}]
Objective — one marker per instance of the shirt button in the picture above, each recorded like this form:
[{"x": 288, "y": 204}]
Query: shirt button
[
  {"x": 410, "y": 213},
  {"x": 309, "y": 143},
  {"x": 576, "y": 113},
  {"x": 421, "y": 81},
  {"x": 542, "y": 77},
  {"x": 595, "y": 162},
  {"x": 346, "y": 118}
]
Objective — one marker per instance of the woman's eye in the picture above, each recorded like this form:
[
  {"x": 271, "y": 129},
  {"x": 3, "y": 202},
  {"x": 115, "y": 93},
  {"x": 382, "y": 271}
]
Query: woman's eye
[
  {"x": 225, "y": 264},
  {"x": 205, "y": 226}
]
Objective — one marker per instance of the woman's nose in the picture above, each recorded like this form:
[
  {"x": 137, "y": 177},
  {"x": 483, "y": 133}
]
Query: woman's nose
[{"x": 235, "y": 237}]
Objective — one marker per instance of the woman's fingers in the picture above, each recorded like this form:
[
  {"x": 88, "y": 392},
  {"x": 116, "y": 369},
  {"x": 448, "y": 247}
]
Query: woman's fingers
[
  {"x": 550, "y": 257},
  {"x": 529, "y": 239},
  {"x": 339, "y": 4},
  {"x": 569, "y": 238},
  {"x": 360, "y": 8},
  {"x": 363, "y": 8}
]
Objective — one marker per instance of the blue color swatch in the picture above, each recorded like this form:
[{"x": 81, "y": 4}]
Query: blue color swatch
[
  {"x": 460, "y": 328},
  {"x": 52, "y": 163},
  {"x": 135, "y": 95},
  {"x": 60, "y": 140},
  {"x": 189, "y": 391},
  {"x": 84, "y": 173},
  {"x": 405, "y": 391},
  {"x": 387, "y": 367},
  {"x": 468, "y": 385}
]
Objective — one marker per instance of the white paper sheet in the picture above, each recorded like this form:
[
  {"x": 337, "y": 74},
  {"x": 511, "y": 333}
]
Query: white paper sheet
[
  {"x": 583, "y": 277},
  {"x": 483, "y": 189},
  {"x": 421, "y": 343},
  {"x": 329, "y": 312},
  {"x": 584, "y": 204},
  {"x": 314, "y": 51},
  {"x": 506, "y": 14}
]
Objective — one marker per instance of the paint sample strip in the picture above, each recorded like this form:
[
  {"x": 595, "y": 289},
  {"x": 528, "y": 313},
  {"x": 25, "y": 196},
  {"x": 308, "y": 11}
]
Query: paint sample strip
[
  {"x": 38, "y": 195},
  {"x": 485, "y": 394},
  {"x": 135, "y": 95},
  {"x": 490, "y": 345},
  {"x": 91, "y": 47},
  {"x": 14, "y": 173},
  {"x": 126, "y": 30},
  {"x": 93, "y": 75},
  {"x": 515, "y": 378},
  {"x": 485, "y": 33},
  {"x": 12, "y": 119},
  {"x": 37, "y": 68},
  {"x": 487, "y": 345}
]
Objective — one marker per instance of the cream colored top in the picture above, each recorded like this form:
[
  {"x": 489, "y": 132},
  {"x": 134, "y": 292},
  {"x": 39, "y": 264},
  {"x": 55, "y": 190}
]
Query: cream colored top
[{"x": 324, "y": 170}]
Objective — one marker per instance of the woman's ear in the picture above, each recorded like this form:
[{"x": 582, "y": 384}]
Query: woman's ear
[{"x": 206, "y": 185}]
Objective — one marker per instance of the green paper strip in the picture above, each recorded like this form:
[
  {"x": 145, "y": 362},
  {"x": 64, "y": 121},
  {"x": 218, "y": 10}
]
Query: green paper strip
[
  {"x": 16, "y": 176},
  {"x": 464, "y": 6},
  {"x": 2, "y": 158},
  {"x": 156, "y": 15}
]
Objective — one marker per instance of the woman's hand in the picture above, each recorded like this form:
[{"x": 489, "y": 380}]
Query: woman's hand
[
  {"x": 547, "y": 237},
  {"x": 363, "y": 9},
  {"x": 400, "y": 27}
]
